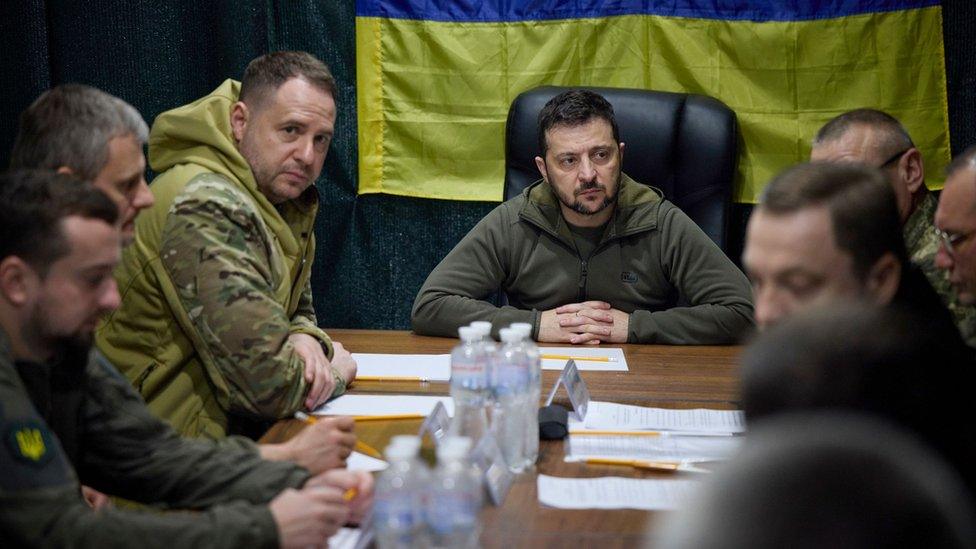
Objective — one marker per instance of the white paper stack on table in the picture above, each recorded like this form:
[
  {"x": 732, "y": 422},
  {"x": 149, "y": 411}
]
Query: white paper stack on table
[
  {"x": 394, "y": 367},
  {"x": 383, "y": 405},
  {"x": 624, "y": 417},
  {"x": 602, "y": 359},
  {"x": 613, "y": 493},
  {"x": 421, "y": 367}
]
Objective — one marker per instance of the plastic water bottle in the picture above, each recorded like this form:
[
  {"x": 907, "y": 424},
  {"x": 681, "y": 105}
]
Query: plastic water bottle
[
  {"x": 469, "y": 385},
  {"x": 488, "y": 344},
  {"x": 534, "y": 359},
  {"x": 511, "y": 391},
  {"x": 398, "y": 508},
  {"x": 455, "y": 496}
]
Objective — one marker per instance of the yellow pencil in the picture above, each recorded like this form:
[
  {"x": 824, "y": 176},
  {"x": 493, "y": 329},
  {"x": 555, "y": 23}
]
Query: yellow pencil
[
  {"x": 392, "y": 378},
  {"x": 389, "y": 417},
  {"x": 350, "y": 494},
  {"x": 368, "y": 450},
  {"x": 583, "y": 358},
  {"x": 302, "y": 416},
  {"x": 640, "y": 464},
  {"x": 596, "y": 433}
]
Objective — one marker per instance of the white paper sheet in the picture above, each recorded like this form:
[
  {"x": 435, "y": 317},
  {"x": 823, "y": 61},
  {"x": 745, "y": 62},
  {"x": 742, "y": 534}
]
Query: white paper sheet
[
  {"x": 619, "y": 363},
  {"x": 660, "y": 448},
  {"x": 345, "y": 538},
  {"x": 610, "y": 415},
  {"x": 431, "y": 367},
  {"x": 613, "y": 493},
  {"x": 381, "y": 405},
  {"x": 361, "y": 462}
]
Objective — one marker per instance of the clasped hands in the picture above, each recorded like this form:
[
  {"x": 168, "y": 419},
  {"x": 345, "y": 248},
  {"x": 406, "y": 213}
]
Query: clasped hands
[{"x": 589, "y": 322}]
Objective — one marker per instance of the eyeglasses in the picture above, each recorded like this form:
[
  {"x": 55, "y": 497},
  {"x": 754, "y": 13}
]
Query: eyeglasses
[
  {"x": 893, "y": 158},
  {"x": 950, "y": 240}
]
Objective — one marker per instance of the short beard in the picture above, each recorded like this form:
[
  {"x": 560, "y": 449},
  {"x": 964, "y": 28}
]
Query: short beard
[
  {"x": 578, "y": 207},
  {"x": 56, "y": 346}
]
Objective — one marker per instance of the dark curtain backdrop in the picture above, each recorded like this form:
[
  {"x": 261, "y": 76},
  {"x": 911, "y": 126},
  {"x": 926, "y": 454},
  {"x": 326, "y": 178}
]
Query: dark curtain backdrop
[{"x": 374, "y": 251}]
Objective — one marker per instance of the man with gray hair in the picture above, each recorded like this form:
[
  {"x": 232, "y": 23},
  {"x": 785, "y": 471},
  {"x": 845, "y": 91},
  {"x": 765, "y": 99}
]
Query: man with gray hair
[
  {"x": 879, "y": 140},
  {"x": 81, "y": 130},
  {"x": 84, "y": 131}
]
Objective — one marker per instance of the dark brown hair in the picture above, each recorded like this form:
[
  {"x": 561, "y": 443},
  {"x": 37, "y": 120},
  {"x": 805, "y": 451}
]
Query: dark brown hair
[
  {"x": 32, "y": 205},
  {"x": 268, "y": 72},
  {"x": 861, "y": 203}
]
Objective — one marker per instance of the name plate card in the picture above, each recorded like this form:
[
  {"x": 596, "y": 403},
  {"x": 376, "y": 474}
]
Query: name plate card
[
  {"x": 498, "y": 479},
  {"x": 579, "y": 395},
  {"x": 436, "y": 424}
]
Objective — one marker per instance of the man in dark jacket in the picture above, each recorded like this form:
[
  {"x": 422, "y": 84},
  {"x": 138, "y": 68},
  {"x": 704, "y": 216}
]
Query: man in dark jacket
[
  {"x": 587, "y": 255},
  {"x": 67, "y": 417},
  {"x": 826, "y": 232}
]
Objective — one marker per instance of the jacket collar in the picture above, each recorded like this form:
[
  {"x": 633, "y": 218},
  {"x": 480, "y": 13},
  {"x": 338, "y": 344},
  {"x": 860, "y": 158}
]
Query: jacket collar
[{"x": 635, "y": 211}]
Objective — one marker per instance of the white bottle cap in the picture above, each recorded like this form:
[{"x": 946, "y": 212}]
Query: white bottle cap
[
  {"x": 483, "y": 327},
  {"x": 412, "y": 442},
  {"x": 452, "y": 447},
  {"x": 468, "y": 333},
  {"x": 400, "y": 451},
  {"x": 510, "y": 335},
  {"x": 523, "y": 328}
]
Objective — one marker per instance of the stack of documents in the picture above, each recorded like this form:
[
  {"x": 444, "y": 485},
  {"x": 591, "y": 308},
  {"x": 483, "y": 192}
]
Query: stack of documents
[
  {"x": 613, "y": 493},
  {"x": 623, "y": 417},
  {"x": 394, "y": 367},
  {"x": 379, "y": 367},
  {"x": 383, "y": 405},
  {"x": 598, "y": 359},
  {"x": 653, "y": 448}
]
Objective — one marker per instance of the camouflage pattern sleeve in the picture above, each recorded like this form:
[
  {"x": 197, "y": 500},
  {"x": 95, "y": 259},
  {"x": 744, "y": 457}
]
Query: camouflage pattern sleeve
[
  {"x": 304, "y": 321},
  {"x": 216, "y": 251},
  {"x": 923, "y": 244}
]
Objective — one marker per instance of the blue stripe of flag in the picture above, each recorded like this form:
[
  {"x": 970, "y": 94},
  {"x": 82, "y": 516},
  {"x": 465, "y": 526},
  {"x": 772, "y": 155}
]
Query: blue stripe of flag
[{"x": 482, "y": 11}]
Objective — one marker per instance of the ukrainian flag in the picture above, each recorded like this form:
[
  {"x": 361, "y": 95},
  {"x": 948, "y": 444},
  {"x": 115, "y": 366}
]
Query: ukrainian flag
[{"x": 436, "y": 77}]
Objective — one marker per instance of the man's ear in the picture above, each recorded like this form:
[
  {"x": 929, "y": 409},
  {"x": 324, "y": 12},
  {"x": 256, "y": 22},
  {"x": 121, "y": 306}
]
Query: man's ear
[
  {"x": 240, "y": 115},
  {"x": 884, "y": 278},
  {"x": 912, "y": 170},
  {"x": 540, "y": 164},
  {"x": 17, "y": 280},
  {"x": 621, "y": 151}
]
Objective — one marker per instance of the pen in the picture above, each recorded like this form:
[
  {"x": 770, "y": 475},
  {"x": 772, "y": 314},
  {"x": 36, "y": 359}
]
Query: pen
[
  {"x": 596, "y": 433},
  {"x": 583, "y": 358},
  {"x": 360, "y": 445},
  {"x": 392, "y": 378}
]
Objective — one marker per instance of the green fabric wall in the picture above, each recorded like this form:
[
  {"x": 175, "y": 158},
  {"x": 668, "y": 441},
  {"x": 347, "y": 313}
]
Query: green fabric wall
[{"x": 374, "y": 251}]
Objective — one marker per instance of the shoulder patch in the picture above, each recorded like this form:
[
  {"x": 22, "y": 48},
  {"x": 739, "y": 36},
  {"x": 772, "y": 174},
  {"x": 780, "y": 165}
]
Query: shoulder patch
[{"x": 30, "y": 442}]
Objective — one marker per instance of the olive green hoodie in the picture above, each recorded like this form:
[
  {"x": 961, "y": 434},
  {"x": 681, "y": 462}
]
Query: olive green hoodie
[
  {"x": 214, "y": 283},
  {"x": 652, "y": 262}
]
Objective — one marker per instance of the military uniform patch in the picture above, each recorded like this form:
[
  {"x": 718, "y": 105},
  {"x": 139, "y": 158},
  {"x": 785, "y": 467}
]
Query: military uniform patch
[{"x": 30, "y": 442}]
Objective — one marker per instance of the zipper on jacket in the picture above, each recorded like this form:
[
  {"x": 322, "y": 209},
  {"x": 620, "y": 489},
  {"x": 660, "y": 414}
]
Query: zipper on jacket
[{"x": 582, "y": 282}]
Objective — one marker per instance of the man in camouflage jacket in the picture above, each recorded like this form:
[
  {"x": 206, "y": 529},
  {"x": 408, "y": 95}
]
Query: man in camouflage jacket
[
  {"x": 879, "y": 140},
  {"x": 216, "y": 328}
]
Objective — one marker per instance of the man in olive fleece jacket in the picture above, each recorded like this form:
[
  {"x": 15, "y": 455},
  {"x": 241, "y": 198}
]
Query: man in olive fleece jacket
[
  {"x": 587, "y": 255},
  {"x": 68, "y": 417}
]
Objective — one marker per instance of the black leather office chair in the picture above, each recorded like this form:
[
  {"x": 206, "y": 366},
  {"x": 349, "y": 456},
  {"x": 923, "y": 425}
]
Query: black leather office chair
[{"x": 684, "y": 144}]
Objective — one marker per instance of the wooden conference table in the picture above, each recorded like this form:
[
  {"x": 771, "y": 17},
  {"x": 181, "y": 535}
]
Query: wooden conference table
[{"x": 660, "y": 375}]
